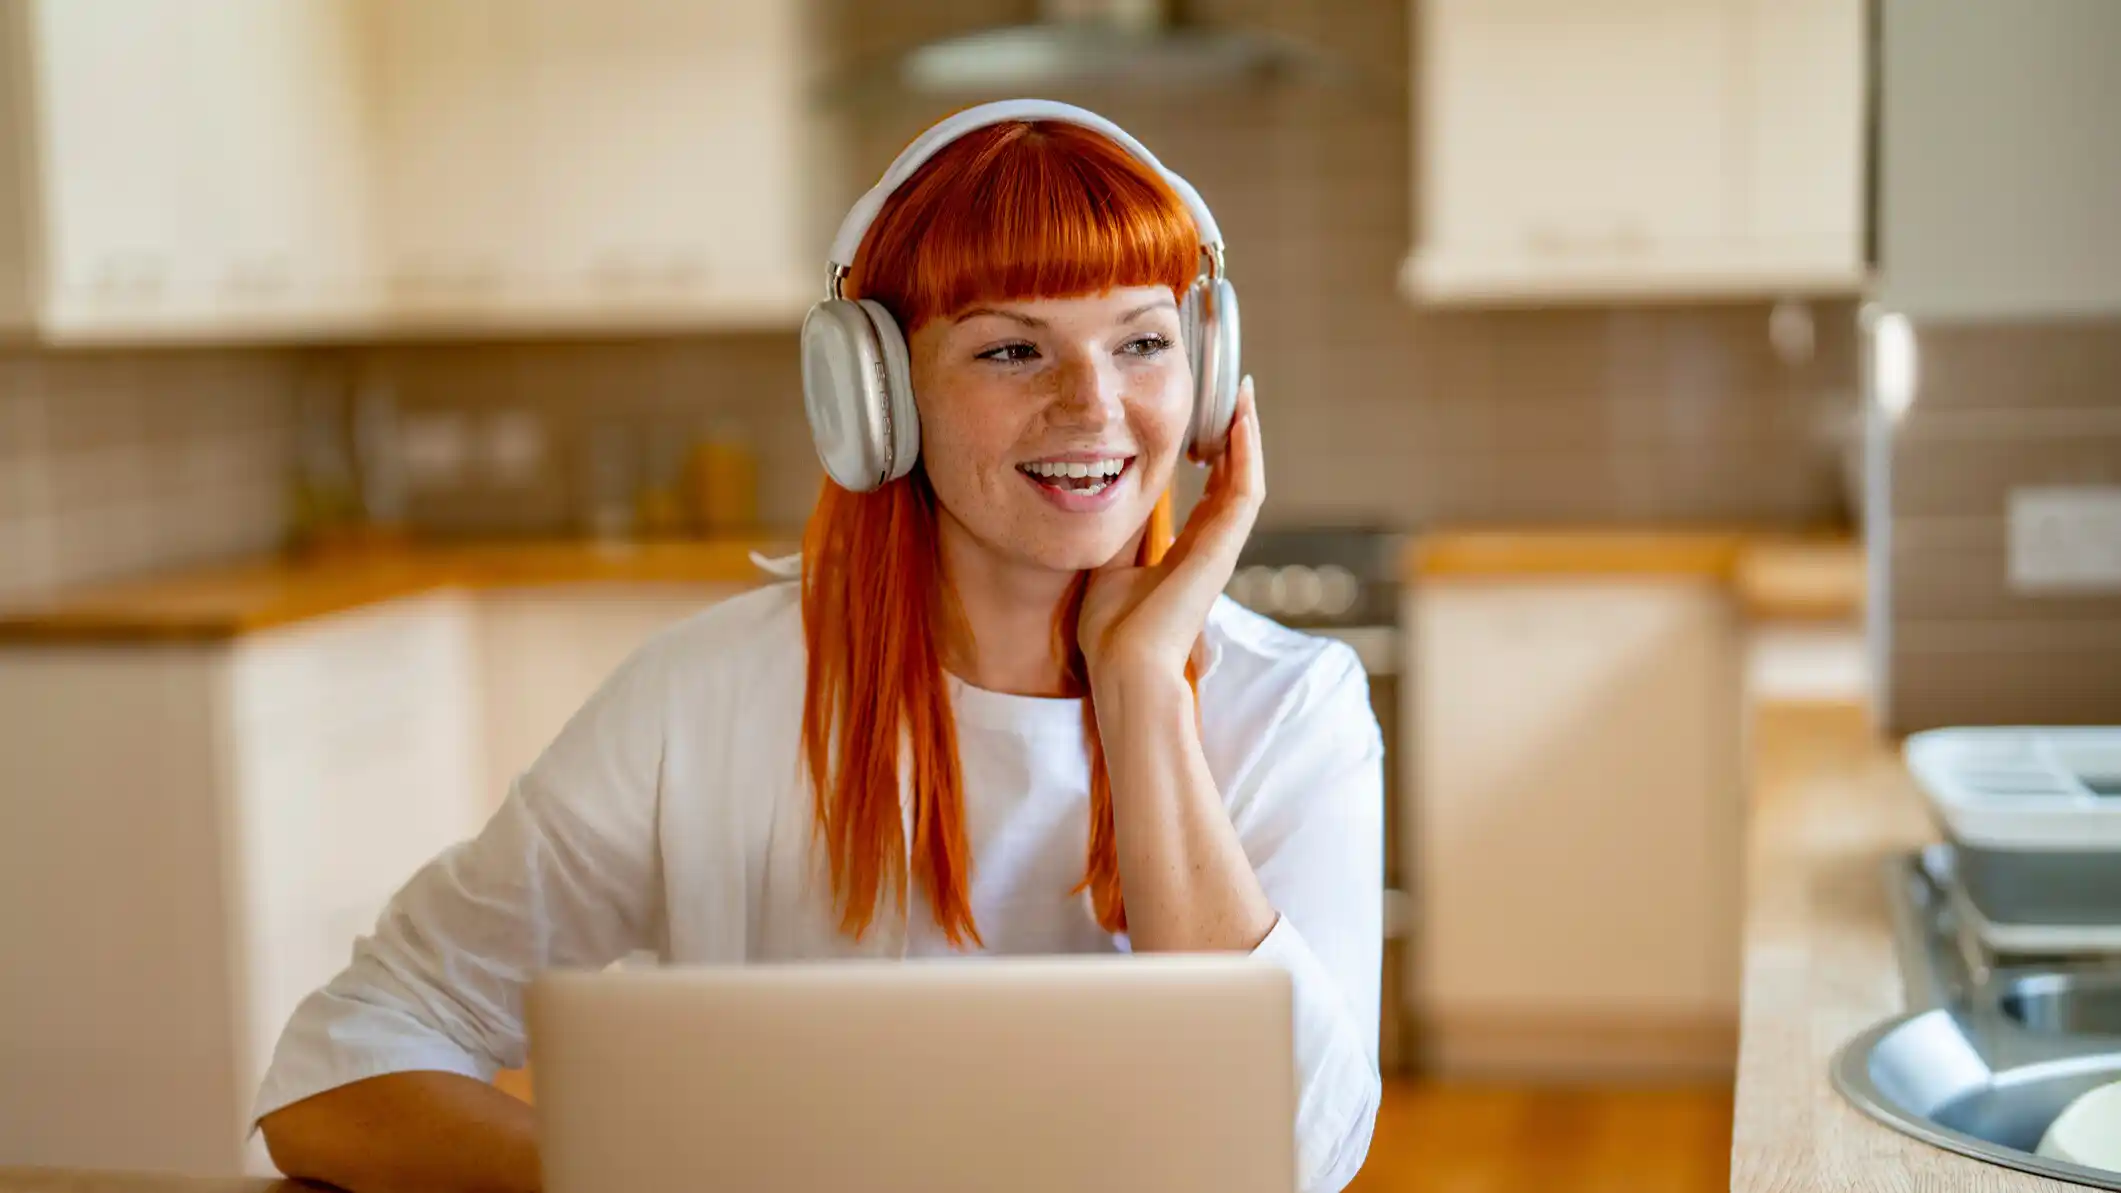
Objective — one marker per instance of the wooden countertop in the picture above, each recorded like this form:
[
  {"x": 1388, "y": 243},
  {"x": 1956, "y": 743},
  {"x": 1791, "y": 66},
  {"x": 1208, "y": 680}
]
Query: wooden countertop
[
  {"x": 213, "y": 604},
  {"x": 1776, "y": 575},
  {"x": 1831, "y": 802},
  {"x": 70, "y": 1180}
]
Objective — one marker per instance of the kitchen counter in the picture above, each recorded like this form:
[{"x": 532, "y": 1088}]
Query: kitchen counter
[
  {"x": 1831, "y": 803},
  {"x": 219, "y": 603},
  {"x": 1775, "y": 575},
  {"x": 70, "y": 1180}
]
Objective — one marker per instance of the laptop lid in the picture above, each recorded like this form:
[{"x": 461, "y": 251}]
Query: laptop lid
[{"x": 1166, "y": 1073}]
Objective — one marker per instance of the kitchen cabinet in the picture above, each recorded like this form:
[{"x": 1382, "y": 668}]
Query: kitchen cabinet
[
  {"x": 1637, "y": 149},
  {"x": 257, "y": 170},
  {"x": 545, "y": 651},
  {"x": 191, "y": 838},
  {"x": 192, "y": 835},
  {"x": 555, "y": 164},
  {"x": 182, "y": 170},
  {"x": 1577, "y": 824}
]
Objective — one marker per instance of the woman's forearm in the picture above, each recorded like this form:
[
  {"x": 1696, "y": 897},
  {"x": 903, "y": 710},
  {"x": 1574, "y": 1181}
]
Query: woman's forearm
[
  {"x": 425, "y": 1131},
  {"x": 1188, "y": 885}
]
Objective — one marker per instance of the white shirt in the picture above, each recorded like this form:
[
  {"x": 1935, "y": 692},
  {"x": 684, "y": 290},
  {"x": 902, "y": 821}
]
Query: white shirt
[{"x": 672, "y": 814}]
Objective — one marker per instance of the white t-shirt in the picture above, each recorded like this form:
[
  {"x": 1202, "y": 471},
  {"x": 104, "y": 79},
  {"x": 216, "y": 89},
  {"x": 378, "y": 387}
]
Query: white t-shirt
[{"x": 672, "y": 815}]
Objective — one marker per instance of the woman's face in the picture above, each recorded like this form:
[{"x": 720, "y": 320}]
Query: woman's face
[{"x": 1049, "y": 427}]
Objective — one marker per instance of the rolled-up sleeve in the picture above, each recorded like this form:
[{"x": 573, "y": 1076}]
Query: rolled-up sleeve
[
  {"x": 566, "y": 874},
  {"x": 1310, "y": 814}
]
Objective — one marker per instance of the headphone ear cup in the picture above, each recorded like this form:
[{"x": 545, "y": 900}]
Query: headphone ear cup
[
  {"x": 1210, "y": 319},
  {"x": 858, "y": 394},
  {"x": 904, "y": 421}
]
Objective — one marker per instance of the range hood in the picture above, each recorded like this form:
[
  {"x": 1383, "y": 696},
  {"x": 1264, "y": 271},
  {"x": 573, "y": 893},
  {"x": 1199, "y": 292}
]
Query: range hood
[{"x": 1150, "y": 44}]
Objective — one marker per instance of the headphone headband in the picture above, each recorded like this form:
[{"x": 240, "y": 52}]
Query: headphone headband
[{"x": 929, "y": 143}]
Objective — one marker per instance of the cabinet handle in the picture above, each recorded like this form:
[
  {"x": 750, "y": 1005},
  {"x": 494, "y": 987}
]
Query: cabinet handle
[
  {"x": 687, "y": 271},
  {"x": 616, "y": 269},
  {"x": 149, "y": 274},
  {"x": 258, "y": 278}
]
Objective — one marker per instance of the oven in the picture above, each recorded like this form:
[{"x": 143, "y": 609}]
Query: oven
[{"x": 1343, "y": 582}]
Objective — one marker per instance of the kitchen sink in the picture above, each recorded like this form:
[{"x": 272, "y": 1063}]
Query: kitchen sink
[{"x": 1990, "y": 1049}]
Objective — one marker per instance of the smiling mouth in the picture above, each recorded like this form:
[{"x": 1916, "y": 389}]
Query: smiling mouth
[{"x": 1086, "y": 478}]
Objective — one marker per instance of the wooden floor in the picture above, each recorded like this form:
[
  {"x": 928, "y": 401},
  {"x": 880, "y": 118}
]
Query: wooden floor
[
  {"x": 1462, "y": 1138},
  {"x": 1437, "y": 1137}
]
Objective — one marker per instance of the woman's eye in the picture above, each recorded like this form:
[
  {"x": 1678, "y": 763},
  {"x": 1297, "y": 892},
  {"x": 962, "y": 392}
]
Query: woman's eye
[
  {"x": 1009, "y": 353},
  {"x": 1148, "y": 345}
]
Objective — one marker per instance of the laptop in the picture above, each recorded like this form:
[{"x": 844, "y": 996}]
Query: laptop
[{"x": 1036, "y": 1075}]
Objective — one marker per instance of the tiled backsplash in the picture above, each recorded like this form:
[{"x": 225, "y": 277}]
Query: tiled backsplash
[
  {"x": 748, "y": 385},
  {"x": 112, "y": 463},
  {"x": 1999, "y": 407}
]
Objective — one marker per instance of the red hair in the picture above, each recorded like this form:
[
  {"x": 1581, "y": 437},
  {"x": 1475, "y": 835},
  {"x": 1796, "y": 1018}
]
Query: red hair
[{"x": 1039, "y": 209}]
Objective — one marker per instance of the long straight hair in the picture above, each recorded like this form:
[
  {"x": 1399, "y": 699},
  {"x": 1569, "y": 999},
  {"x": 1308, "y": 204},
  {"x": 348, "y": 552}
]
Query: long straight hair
[{"x": 1038, "y": 209}]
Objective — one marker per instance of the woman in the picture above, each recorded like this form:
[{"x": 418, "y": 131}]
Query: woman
[{"x": 1095, "y": 752}]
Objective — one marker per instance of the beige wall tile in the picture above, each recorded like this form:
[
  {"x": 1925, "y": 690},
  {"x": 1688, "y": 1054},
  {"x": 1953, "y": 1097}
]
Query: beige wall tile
[
  {"x": 2073, "y": 363},
  {"x": 2000, "y": 407},
  {"x": 2014, "y": 683},
  {"x": 1974, "y": 477}
]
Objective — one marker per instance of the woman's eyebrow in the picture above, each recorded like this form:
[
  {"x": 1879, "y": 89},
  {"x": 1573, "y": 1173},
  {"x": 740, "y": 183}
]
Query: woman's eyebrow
[
  {"x": 1161, "y": 304},
  {"x": 1026, "y": 320}
]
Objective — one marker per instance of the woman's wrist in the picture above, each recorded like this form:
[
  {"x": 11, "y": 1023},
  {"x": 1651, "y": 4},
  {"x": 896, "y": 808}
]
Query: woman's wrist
[{"x": 1133, "y": 674}]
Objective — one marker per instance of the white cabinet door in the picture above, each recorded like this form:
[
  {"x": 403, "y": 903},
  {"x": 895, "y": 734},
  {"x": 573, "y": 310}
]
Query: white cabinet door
[
  {"x": 449, "y": 182},
  {"x": 356, "y": 760},
  {"x": 1637, "y": 148},
  {"x": 1801, "y": 136},
  {"x": 1577, "y": 806},
  {"x": 200, "y": 167},
  {"x": 1568, "y": 137},
  {"x": 280, "y": 155},
  {"x": 549, "y": 163},
  {"x": 671, "y": 141},
  {"x": 543, "y": 652},
  {"x": 120, "y": 179}
]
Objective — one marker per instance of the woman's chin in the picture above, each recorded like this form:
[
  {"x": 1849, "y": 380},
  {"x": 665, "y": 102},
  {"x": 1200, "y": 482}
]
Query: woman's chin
[{"x": 1080, "y": 552}]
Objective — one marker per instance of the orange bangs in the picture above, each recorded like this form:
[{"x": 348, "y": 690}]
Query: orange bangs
[
  {"x": 1020, "y": 210},
  {"x": 1038, "y": 210}
]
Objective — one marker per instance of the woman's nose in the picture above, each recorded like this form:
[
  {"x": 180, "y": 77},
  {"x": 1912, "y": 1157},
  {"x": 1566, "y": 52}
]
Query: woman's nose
[{"x": 1089, "y": 394}]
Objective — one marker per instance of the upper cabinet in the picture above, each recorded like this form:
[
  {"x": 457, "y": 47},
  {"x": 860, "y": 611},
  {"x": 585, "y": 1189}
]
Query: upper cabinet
[
  {"x": 1638, "y": 149},
  {"x": 556, "y": 163},
  {"x": 183, "y": 169},
  {"x": 239, "y": 170}
]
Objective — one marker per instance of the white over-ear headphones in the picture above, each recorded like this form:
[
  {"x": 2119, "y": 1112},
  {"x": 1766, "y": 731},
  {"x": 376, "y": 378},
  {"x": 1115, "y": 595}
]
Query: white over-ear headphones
[{"x": 856, "y": 385}]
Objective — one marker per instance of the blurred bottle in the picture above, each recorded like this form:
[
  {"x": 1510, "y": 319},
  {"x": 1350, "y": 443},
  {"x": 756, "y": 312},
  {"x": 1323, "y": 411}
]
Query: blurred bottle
[
  {"x": 325, "y": 494},
  {"x": 608, "y": 512},
  {"x": 660, "y": 508},
  {"x": 379, "y": 456},
  {"x": 722, "y": 478}
]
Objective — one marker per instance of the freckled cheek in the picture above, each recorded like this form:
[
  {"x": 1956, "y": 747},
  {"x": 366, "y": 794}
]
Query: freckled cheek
[
  {"x": 976, "y": 436},
  {"x": 1160, "y": 414}
]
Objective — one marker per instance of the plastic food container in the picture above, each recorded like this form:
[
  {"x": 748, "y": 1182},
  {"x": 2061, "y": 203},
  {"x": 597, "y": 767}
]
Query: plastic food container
[{"x": 2034, "y": 816}]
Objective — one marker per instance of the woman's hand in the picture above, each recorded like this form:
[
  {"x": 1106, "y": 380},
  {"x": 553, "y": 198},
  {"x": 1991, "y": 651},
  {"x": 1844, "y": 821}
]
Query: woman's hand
[{"x": 1151, "y": 617}]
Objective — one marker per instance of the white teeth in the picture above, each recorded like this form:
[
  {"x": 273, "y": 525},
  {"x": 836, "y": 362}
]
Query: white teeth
[{"x": 1111, "y": 467}]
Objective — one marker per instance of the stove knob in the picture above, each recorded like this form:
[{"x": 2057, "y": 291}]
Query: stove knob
[
  {"x": 1248, "y": 586},
  {"x": 1338, "y": 590}
]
